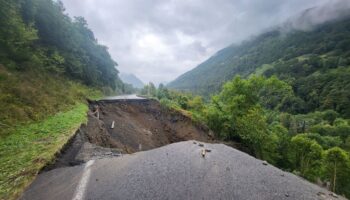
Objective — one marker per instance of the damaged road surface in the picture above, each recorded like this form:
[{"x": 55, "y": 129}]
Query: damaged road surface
[
  {"x": 175, "y": 171},
  {"x": 136, "y": 149}
]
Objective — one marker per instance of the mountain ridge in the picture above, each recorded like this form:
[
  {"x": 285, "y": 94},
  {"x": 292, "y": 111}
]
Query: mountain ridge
[
  {"x": 245, "y": 58},
  {"x": 131, "y": 79}
]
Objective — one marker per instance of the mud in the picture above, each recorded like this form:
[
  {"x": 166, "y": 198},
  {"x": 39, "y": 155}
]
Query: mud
[{"x": 139, "y": 124}]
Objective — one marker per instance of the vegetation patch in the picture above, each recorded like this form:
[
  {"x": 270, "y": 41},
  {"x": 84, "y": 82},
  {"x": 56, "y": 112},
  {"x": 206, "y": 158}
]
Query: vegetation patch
[
  {"x": 260, "y": 70},
  {"x": 49, "y": 64},
  {"x": 31, "y": 147},
  {"x": 262, "y": 114}
]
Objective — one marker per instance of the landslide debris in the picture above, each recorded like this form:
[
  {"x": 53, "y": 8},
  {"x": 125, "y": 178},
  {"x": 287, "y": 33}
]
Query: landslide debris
[{"x": 138, "y": 125}]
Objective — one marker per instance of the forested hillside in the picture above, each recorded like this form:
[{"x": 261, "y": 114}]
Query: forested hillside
[
  {"x": 284, "y": 96},
  {"x": 48, "y": 61},
  {"x": 305, "y": 59}
]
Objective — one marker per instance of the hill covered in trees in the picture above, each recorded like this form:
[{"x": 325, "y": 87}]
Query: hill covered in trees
[
  {"x": 48, "y": 61},
  {"x": 283, "y": 96},
  {"x": 315, "y": 63}
]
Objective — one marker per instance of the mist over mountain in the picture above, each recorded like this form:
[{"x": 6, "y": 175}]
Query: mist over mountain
[
  {"x": 309, "y": 18},
  {"x": 131, "y": 79},
  {"x": 321, "y": 32}
]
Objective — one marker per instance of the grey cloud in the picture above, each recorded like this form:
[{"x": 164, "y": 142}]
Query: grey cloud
[
  {"x": 157, "y": 40},
  {"x": 316, "y": 15}
]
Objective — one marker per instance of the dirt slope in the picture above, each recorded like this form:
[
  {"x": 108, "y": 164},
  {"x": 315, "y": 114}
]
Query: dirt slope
[
  {"x": 139, "y": 124},
  {"x": 145, "y": 122}
]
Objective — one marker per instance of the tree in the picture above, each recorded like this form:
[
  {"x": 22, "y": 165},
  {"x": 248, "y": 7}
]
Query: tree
[
  {"x": 152, "y": 91},
  {"x": 330, "y": 116},
  {"x": 196, "y": 103},
  {"x": 253, "y": 130},
  {"x": 273, "y": 92},
  {"x": 144, "y": 90},
  {"x": 283, "y": 146},
  {"x": 337, "y": 162},
  {"x": 16, "y": 37},
  {"x": 162, "y": 92},
  {"x": 307, "y": 156},
  {"x": 238, "y": 112}
]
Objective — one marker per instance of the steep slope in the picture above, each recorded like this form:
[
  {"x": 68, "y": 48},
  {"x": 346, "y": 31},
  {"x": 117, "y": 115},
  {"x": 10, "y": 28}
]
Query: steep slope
[
  {"x": 131, "y": 79},
  {"x": 324, "y": 47}
]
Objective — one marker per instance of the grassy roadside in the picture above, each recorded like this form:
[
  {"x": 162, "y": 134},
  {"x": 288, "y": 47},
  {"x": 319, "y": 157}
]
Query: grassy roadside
[
  {"x": 31, "y": 96},
  {"x": 30, "y": 147}
]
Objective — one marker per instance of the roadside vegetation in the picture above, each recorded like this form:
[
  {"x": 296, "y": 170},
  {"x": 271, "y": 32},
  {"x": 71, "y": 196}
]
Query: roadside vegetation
[
  {"x": 49, "y": 65},
  {"x": 34, "y": 95},
  {"x": 48, "y": 62},
  {"x": 259, "y": 113},
  {"x": 31, "y": 147}
]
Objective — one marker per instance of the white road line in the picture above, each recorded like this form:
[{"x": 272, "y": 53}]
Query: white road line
[{"x": 80, "y": 190}]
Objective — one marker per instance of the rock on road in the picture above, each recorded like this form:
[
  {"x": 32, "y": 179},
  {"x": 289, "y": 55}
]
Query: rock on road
[{"x": 175, "y": 171}]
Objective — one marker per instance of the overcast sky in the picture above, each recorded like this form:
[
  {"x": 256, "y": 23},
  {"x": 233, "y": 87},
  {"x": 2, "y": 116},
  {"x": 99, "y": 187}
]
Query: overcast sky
[{"x": 158, "y": 40}]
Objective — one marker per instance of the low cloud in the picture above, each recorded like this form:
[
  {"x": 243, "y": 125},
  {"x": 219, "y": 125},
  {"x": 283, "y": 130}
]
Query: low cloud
[
  {"x": 158, "y": 40},
  {"x": 311, "y": 17}
]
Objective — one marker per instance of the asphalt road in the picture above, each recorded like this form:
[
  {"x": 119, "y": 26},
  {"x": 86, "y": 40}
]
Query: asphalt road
[
  {"x": 120, "y": 97},
  {"x": 175, "y": 171}
]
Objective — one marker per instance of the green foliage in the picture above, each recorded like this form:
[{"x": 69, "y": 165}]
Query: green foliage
[
  {"x": 330, "y": 116},
  {"x": 325, "y": 141},
  {"x": 32, "y": 146},
  {"x": 49, "y": 63},
  {"x": 36, "y": 34},
  {"x": 326, "y": 91},
  {"x": 149, "y": 90},
  {"x": 34, "y": 95},
  {"x": 239, "y": 96},
  {"x": 237, "y": 113},
  {"x": 196, "y": 103},
  {"x": 342, "y": 131},
  {"x": 287, "y": 122},
  {"x": 266, "y": 116},
  {"x": 315, "y": 63},
  {"x": 15, "y": 36},
  {"x": 337, "y": 165},
  {"x": 308, "y": 156},
  {"x": 253, "y": 130},
  {"x": 283, "y": 157}
]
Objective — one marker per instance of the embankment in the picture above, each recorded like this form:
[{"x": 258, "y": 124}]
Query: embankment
[{"x": 128, "y": 126}]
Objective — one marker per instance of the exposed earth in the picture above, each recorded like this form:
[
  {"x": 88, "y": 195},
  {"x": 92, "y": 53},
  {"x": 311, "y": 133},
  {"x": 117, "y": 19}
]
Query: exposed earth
[{"x": 139, "y": 124}]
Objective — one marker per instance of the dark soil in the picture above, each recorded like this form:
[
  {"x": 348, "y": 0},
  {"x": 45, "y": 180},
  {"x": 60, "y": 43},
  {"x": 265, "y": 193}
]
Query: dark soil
[{"x": 139, "y": 125}]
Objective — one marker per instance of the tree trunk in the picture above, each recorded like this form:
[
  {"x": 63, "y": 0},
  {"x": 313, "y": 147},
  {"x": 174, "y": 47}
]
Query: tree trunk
[{"x": 334, "y": 175}]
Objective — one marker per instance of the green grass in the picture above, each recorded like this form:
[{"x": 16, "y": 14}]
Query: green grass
[
  {"x": 31, "y": 96},
  {"x": 28, "y": 148}
]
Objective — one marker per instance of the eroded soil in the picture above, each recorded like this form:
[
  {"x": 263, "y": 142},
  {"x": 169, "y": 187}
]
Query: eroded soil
[{"x": 139, "y": 125}]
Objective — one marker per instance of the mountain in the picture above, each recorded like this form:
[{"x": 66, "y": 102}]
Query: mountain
[
  {"x": 297, "y": 55},
  {"x": 131, "y": 79},
  {"x": 268, "y": 49}
]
